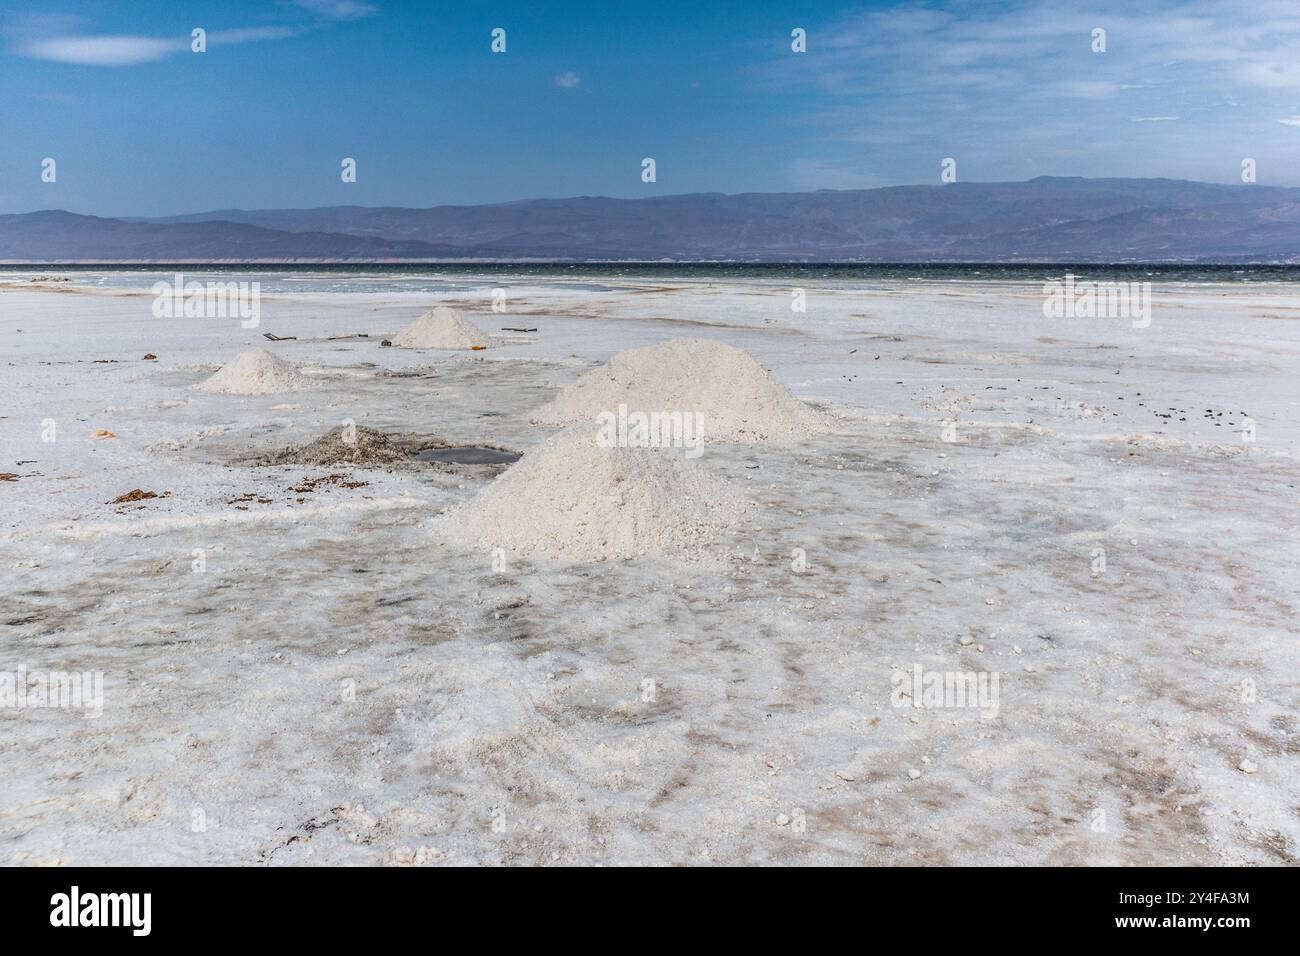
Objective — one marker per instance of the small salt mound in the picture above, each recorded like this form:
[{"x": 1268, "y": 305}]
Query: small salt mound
[
  {"x": 255, "y": 372},
  {"x": 735, "y": 396},
  {"x": 573, "y": 498},
  {"x": 354, "y": 445},
  {"x": 443, "y": 328}
]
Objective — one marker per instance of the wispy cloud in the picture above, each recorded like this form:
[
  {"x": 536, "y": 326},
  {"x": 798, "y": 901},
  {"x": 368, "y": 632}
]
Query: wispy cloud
[
  {"x": 103, "y": 50},
  {"x": 63, "y": 39},
  {"x": 1014, "y": 89},
  {"x": 338, "y": 9},
  {"x": 108, "y": 50},
  {"x": 987, "y": 47},
  {"x": 568, "y": 80},
  {"x": 1290, "y": 121},
  {"x": 820, "y": 174}
]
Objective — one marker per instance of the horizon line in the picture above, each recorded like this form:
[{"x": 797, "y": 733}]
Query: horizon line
[{"x": 669, "y": 196}]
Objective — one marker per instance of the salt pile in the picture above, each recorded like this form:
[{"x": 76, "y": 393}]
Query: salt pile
[
  {"x": 255, "y": 372},
  {"x": 573, "y": 498},
  {"x": 346, "y": 444},
  {"x": 736, "y": 397},
  {"x": 443, "y": 328}
]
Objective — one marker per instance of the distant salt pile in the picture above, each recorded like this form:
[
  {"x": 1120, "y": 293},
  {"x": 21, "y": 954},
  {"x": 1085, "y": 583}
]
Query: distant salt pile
[
  {"x": 255, "y": 372},
  {"x": 572, "y": 498},
  {"x": 345, "y": 444},
  {"x": 735, "y": 397},
  {"x": 443, "y": 328}
]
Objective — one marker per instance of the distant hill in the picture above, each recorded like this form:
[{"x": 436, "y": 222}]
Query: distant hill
[
  {"x": 1044, "y": 220},
  {"x": 55, "y": 235}
]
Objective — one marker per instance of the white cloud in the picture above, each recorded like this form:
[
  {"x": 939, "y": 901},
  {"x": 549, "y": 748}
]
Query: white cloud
[
  {"x": 568, "y": 80},
  {"x": 1278, "y": 76},
  {"x": 1022, "y": 44},
  {"x": 106, "y": 50},
  {"x": 103, "y": 50},
  {"x": 819, "y": 174},
  {"x": 338, "y": 9},
  {"x": 61, "y": 39},
  {"x": 1014, "y": 89},
  {"x": 1290, "y": 121}
]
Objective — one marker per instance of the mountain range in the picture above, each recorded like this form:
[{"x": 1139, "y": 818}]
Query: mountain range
[{"x": 1048, "y": 219}]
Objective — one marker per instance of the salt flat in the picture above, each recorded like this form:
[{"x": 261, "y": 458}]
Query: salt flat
[{"x": 298, "y": 668}]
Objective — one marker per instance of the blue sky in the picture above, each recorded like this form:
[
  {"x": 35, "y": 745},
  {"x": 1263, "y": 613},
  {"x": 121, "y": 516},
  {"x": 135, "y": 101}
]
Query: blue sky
[{"x": 139, "y": 125}]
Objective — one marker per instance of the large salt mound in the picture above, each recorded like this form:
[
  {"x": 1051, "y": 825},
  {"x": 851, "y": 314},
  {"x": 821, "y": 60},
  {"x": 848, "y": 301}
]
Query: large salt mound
[
  {"x": 737, "y": 398},
  {"x": 255, "y": 372},
  {"x": 443, "y": 328},
  {"x": 572, "y": 498}
]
